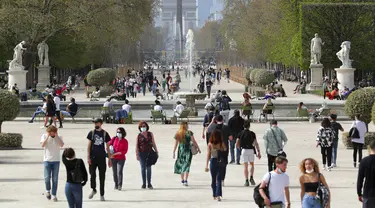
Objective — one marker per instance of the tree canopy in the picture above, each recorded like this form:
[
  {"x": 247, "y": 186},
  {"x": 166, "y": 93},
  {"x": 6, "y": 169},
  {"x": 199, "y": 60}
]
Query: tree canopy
[
  {"x": 78, "y": 32},
  {"x": 279, "y": 31}
]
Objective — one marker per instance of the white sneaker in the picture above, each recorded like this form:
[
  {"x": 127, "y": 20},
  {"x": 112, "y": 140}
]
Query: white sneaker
[
  {"x": 329, "y": 169},
  {"x": 324, "y": 167},
  {"x": 54, "y": 198},
  {"x": 102, "y": 198},
  {"x": 333, "y": 165}
]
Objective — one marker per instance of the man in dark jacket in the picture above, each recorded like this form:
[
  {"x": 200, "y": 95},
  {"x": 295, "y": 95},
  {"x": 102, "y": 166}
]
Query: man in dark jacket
[{"x": 235, "y": 124}]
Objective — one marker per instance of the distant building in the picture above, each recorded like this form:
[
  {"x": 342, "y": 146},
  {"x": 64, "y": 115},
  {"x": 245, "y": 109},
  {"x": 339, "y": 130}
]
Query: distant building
[
  {"x": 216, "y": 10},
  {"x": 168, "y": 11}
]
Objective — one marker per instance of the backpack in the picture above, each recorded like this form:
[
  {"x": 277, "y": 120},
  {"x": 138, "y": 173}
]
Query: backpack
[
  {"x": 354, "y": 133},
  {"x": 258, "y": 199},
  {"x": 76, "y": 173},
  {"x": 322, "y": 193},
  {"x": 224, "y": 103}
]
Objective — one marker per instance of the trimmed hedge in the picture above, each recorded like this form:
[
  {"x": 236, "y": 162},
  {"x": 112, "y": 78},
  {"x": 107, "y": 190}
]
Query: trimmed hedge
[
  {"x": 100, "y": 77},
  {"x": 253, "y": 73},
  {"x": 9, "y": 105},
  {"x": 264, "y": 77},
  {"x": 10, "y": 140},
  {"x": 360, "y": 102}
]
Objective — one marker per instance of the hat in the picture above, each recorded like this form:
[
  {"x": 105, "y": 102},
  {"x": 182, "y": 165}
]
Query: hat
[{"x": 97, "y": 120}]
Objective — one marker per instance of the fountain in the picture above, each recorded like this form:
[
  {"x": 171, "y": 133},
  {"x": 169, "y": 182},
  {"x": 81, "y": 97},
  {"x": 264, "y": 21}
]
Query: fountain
[{"x": 190, "y": 96}]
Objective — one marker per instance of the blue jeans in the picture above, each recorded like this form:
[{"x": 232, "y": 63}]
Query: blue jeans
[
  {"x": 216, "y": 177},
  {"x": 310, "y": 202},
  {"x": 38, "y": 111},
  {"x": 51, "y": 168},
  {"x": 145, "y": 170},
  {"x": 65, "y": 113},
  {"x": 334, "y": 150},
  {"x": 232, "y": 144},
  {"x": 238, "y": 154},
  {"x": 73, "y": 193}
]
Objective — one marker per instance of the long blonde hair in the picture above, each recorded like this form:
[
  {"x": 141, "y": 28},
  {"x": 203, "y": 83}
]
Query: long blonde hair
[{"x": 181, "y": 133}]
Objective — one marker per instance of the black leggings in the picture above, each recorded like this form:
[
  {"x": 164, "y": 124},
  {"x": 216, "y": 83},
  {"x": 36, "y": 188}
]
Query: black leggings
[
  {"x": 326, "y": 155},
  {"x": 357, "y": 147},
  {"x": 271, "y": 162}
]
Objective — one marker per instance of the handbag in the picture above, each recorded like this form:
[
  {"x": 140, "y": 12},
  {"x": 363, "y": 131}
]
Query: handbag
[
  {"x": 76, "y": 173},
  {"x": 194, "y": 149},
  {"x": 322, "y": 193},
  {"x": 281, "y": 151}
]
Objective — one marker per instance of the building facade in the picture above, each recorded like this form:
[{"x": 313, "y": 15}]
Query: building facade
[
  {"x": 168, "y": 15},
  {"x": 216, "y": 10}
]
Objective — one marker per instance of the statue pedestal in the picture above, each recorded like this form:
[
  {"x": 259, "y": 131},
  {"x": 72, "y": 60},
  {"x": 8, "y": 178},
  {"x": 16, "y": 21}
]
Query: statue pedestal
[
  {"x": 17, "y": 77},
  {"x": 345, "y": 76},
  {"x": 43, "y": 77},
  {"x": 316, "y": 76}
]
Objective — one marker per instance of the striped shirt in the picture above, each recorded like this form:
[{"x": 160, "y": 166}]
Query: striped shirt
[{"x": 272, "y": 147}]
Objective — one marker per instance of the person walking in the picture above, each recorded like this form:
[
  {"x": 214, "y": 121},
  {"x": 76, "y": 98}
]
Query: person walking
[
  {"x": 309, "y": 181},
  {"x": 366, "y": 179},
  {"x": 50, "y": 112},
  {"x": 184, "y": 139},
  {"x": 236, "y": 124},
  {"x": 325, "y": 138},
  {"x": 336, "y": 127},
  {"x": 277, "y": 182},
  {"x": 224, "y": 105},
  {"x": 216, "y": 149},
  {"x": 358, "y": 142},
  {"x": 248, "y": 144},
  {"x": 51, "y": 143},
  {"x": 97, "y": 147},
  {"x": 76, "y": 178},
  {"x": 118, "y": 147},
  {"x": 57, "y": 101},
  {"x": 218, "y": 123},
  {"x": 274, "y": 141},
  {"x": 144, "y": 146}
]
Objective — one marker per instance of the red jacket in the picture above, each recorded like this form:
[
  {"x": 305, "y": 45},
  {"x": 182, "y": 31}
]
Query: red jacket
[{"x": 119, "y": 145}]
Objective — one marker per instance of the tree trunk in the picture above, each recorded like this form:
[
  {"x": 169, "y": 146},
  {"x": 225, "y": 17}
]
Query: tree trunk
[{"x": 1, "y": 123}]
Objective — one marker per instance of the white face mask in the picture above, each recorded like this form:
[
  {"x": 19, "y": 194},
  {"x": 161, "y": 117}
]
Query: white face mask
[
  {"x": 143, "y": 129},
  {"x": 310, "y": 171},
  {"x": 279, "y": 171},
  {"x": 119, "y": 135}
]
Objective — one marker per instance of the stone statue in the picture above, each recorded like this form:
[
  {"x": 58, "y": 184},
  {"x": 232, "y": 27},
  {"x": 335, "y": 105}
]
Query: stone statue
[
  {"x": 316, "y": 49},
  {"x": 16, "y": 63},
  {"x": 343, "y": 55},
  {"x": 43, "y": 53}
]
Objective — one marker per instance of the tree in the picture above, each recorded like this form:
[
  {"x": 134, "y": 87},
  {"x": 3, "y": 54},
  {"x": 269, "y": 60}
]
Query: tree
[
  {"x": 10, "y": 106},
  {"x": 100, "y": 28}
]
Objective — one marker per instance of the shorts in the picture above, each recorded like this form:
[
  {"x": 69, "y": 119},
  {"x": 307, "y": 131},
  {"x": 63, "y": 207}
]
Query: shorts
[{"x": 247, "y": 155}]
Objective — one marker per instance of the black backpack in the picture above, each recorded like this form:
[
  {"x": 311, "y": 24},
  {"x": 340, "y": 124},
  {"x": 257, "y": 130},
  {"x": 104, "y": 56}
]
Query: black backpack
[
  {"x": 354, "y": 133},
  {"x": 258, "y": 199},
  {"x": 76, "y": 173}
]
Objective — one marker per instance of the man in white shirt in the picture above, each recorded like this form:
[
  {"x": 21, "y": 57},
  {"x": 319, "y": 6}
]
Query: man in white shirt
[
  {"x": 358, "y": 142},
  {"x": 126, "y": 106},
  {"x": 57, "y": 101},
  {"x": 278, "y": 185},
  {"x": 39, "y": 110},
  {"x": 179, "y": 109},
  {"x": 51, "y": 143},
  {"x": 157, "y": 106}
]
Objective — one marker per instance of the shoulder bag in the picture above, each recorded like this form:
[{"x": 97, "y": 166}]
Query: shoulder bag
[
  {"x": 258, "y": 199},
  {"x": 322, "y": 193},
  {"x": 281, "y": 151},
  {"x": 76, "y": 173},
  {"x": 354, "y": 133}
]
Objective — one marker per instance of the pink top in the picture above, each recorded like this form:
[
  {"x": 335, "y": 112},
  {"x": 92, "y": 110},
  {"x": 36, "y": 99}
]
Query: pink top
[{"x": 119, "y": 145}]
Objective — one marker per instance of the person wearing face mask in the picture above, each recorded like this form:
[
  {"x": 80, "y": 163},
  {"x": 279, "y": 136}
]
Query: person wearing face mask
[
  {"x": 218, "y": 123},
  {"x": 51, "y": 143},
  {"x": 309, "y": 181},
  {"x": 277, "y": 182},
  {"x": 97, "y": 147},
  {"x": 119, "y": 147},
  {"x": 144, "y": 146}
]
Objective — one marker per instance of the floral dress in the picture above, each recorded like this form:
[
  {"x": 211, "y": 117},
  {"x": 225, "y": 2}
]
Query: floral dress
[{"x": 184, "y": 155}]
